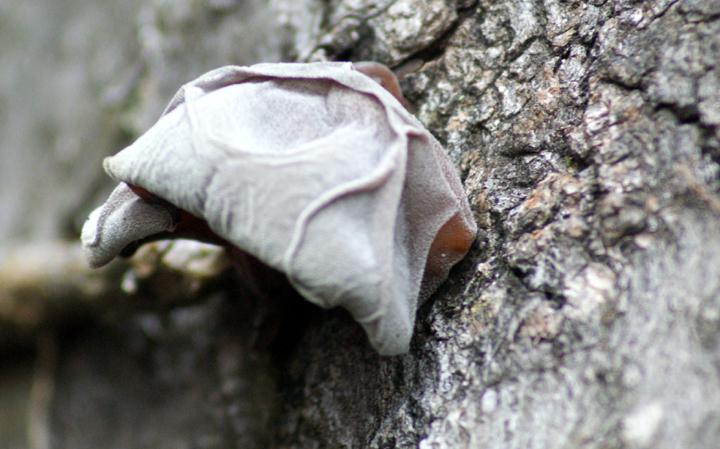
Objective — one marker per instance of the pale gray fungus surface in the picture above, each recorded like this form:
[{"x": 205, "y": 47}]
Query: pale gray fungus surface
[
  {"x": 315, "y": 170},
  {"x": 108, "y": 230}
]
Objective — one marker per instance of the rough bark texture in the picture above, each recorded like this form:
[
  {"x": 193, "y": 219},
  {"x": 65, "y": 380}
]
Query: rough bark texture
[{"x": 587, "y": 315}]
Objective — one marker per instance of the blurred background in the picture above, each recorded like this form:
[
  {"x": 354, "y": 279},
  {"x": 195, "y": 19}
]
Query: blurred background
[{"x": 79, "y": 80}]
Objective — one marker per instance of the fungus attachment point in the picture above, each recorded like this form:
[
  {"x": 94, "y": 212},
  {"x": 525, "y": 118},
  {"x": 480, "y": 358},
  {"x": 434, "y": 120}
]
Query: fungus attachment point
[
  {"x": 384, "y": 77},
  {"x": 314, "y": 170}
]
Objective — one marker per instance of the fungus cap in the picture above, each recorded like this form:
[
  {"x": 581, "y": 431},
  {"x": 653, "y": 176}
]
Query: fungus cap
[{"x": 315, "y": 170}]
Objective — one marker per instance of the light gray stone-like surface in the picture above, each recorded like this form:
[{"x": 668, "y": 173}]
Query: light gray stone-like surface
[{"x": 587, "y": 315}]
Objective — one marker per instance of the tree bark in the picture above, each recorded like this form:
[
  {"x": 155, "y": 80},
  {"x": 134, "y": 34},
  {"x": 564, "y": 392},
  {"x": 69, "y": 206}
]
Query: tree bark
[{"x": 586, "y": 315}]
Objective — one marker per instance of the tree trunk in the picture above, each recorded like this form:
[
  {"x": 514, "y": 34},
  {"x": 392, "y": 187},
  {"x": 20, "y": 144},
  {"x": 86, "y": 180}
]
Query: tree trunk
[{"x": 587, "y": 314}]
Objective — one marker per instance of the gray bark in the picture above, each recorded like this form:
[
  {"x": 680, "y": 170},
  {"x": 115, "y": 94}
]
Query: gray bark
[{"x": 587, "y": 314}]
